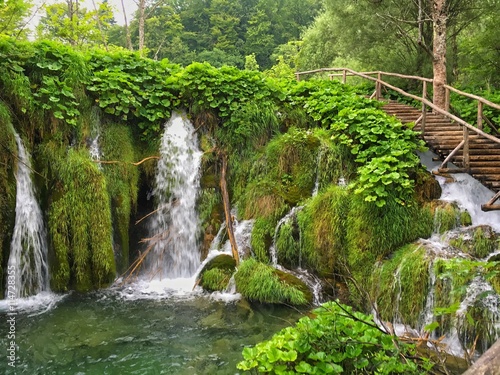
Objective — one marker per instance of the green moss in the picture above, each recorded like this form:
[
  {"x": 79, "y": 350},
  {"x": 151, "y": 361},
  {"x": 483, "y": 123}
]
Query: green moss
[
  {"x": 122, "y": 180},
  {"x": 262, "y": 237},
  {"x": 448, "y": 216},
  {"x": 427, "y": 188},
  {"x": 335, "y": 162},
  {"x": 79, "y": 218},
  {"x": 215, "y": 280},
  {"x": 323, "y": 229},
  {"x": 400, "y": 285},
  {"x": 288, "y": 245},
  {"x": 452, "y": 278},
  {"x": 478, "y": 242},
  {"x": 217, "y": 272},
  {"x": 262, "y": 283},
  {"x": 373, "y": 233}
]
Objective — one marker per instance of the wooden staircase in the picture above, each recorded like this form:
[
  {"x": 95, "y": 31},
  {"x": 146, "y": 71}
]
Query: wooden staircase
[
  {"x": 456, "y": 141},
  {"x": 443, "y": 136}
]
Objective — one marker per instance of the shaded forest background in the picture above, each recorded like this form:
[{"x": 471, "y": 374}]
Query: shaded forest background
[{"x": 282, "y": 36}]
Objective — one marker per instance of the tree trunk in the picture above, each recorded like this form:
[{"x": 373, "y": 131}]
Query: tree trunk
[
  {"x": 142, "y": 16},
  {"x": 439, "y": 19},
  {"x": 488, "y": 363},
  {"x": 99, "y": 24},
  {"x": 227, "y": 210},
  {"x": 127, "y": 30}
]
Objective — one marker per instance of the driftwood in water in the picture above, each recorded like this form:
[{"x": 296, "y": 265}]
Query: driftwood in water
[
  {"x": 488, "y": 363},
  {"x": 227, "y": 209}
]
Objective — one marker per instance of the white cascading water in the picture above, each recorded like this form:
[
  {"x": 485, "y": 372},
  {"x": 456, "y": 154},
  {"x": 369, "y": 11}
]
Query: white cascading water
[
  {"x": 94, "y": 150},
  {"x": 273, "y": 252},
  {"x": 28, "y": 248},
  {"x": 174, "y": 227},
  {"x": 469, "y": 194}
]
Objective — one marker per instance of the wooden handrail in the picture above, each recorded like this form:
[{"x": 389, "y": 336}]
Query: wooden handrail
[
  {"x": 464, "y": 143},
  {"x": 422, "y": 100}
]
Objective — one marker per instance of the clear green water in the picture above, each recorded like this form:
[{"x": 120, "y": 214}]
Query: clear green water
[{"x": 103, "y": 333}]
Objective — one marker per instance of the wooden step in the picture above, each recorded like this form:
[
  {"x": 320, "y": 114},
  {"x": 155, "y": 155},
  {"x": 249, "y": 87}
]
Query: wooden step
[{"x": 442, "y": 135}]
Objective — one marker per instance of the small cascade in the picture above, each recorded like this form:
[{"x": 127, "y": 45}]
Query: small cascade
[
  {"x": 468, "y": 192},
  {"x": 273, "y": 252},
  {"x": 479, "y": 295},
  {"x": 310, "y": 280},
  {"x": 313, "y": 283},
  {"x": 242, "y": 235},
  {"x": 95, "y": 133},
  {"x": 174, "y": 228},
  {"x": 318, "y": 166},
  {"x": 28, "y": 248}
]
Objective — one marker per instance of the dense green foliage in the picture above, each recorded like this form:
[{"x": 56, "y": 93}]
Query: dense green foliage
[{"x": 352, "y": 344}]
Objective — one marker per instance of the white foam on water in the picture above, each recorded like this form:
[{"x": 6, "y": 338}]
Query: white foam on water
[{"x": 33, "y": 305}]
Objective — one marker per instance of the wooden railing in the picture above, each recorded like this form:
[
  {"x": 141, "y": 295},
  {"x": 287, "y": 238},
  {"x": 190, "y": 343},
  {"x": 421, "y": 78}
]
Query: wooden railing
[{"x": 426, "y": 104}]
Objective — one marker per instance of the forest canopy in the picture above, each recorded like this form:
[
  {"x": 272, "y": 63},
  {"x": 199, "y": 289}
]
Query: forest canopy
[{"x": 280, "y": 36}]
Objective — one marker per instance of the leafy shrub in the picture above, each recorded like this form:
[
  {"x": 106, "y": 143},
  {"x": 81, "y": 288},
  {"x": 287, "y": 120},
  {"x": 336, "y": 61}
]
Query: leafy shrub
[{"x": 337, "y": 340}]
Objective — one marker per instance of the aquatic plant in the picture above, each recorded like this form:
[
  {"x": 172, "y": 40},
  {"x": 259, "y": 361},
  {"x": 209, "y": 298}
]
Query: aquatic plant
[{"x": 335, "y": 340}]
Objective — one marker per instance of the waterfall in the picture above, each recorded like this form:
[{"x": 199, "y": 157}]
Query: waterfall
[
  {"x": 273, "y": 252},
  {"x": 94, "y": 150},
  {"x": 28, "y": 249},
  {"x": 468, "y": 192},
  {"x": 174, "y": 228}
]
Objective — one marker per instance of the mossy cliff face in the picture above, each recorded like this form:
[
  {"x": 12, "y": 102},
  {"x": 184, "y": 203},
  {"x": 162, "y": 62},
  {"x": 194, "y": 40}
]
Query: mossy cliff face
[
  {"x": 79, "y": 218},
  {"x": 8, "y": 152},
  {"x": 122, "y": 179},
  {"x": 441, "y": 285}
]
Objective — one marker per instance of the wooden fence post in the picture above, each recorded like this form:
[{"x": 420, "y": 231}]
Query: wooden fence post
[
  {"x": 447, "y": 99},
  {"x": 344, "y": 77},
  {"x": 424, "y": 107},
  {"x": 480, "y": 114},
  {"x": 466, "y": 157},
  {"x": 378, "y": 88}
]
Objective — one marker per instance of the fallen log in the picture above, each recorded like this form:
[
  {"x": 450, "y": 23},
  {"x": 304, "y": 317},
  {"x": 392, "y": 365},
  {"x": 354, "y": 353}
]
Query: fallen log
[
  {"x": 488, "y": 363},
  {"x": 227, "y": 209}
]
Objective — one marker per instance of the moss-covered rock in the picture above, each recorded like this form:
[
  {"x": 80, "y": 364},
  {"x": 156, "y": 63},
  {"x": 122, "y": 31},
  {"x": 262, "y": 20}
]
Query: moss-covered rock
[
  {"x": 122, "y": 180},
  {"x": 478, "y": 241},
  {"x": 374, "y": 233},
  {"x": 323, "y": 230},
  {"x": 400, "y": 285},
  {"x": 259, "y": 282},
  {"x": 217, "y": 272},
  {"x": 427, "y": 188},
  {"x": 448, "y": 216}
]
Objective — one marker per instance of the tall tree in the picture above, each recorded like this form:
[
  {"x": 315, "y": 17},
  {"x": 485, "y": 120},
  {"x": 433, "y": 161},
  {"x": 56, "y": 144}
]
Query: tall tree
[
  {"x": 12, "y": 17},
  {"x": 70, "y": 23}
]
